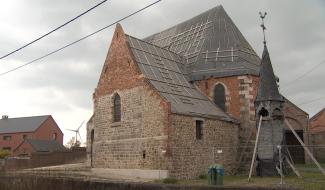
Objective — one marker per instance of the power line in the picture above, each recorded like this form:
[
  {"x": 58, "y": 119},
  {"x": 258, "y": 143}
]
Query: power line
[
  {"x": 57, "y": 28},
  {"x": 74, "y": 42},
  {"x": 311, "y": 101},
  {"x": 303, "y": 75}
]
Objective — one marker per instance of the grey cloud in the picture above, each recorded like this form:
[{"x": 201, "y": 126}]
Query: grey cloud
[{"x": 65, "y": 81}]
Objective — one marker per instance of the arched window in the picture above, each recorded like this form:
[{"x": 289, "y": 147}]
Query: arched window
[
  {"x": 117, "y": 108},
  {"x": 220, "y": 96}
]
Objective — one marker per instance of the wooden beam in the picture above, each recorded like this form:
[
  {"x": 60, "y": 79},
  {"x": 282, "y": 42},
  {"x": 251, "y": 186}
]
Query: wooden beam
[
  {"x": 293, "y": 168},
  {"x": 255, "y": 149},
  {"x": 304, "y": 146}
]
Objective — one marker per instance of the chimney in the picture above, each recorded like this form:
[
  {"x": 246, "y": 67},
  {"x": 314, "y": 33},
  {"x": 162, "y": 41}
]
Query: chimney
[{"x": 4, "y": 117}]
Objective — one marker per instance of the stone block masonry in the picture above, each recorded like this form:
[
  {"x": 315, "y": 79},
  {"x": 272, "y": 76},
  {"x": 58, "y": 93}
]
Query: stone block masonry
[
  {"x": 137, "y": 141},
  {"x": 191, "y": 157}
]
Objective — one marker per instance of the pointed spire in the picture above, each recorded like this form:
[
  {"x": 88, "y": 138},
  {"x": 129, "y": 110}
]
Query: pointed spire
[{"x": 268, "y": 88}]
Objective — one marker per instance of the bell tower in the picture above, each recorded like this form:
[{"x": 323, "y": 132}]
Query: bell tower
[{"x": 268, "y": 105}]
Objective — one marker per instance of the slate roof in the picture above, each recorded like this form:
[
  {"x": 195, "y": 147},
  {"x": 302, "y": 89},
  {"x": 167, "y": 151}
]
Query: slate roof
[
  {"x": 211, "y": 44},
  {"x": 46, "y": 145},
  {"x": 21, "y": 124},
  {"x": 268, "y": 88},
  {"x": 166, "y": 71}
]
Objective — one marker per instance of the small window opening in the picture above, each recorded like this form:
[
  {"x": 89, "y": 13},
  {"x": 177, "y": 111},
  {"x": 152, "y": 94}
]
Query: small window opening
[
  {"x": 117, "y": 108},
  {"x": 144, "y": 154},
  {"x": 263, "y": 112},
  {"x": 25, "y": 137},
  {"x": 6, "y": 138},
  {"x": 54, "y": 136},
  {"x": 6, "y": 148},
  {"x": 199, "y": 129}
]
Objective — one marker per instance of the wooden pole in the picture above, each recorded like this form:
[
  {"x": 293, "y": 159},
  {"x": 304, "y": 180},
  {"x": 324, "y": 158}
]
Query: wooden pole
[
  {"x": 304, "y": 146},
  {"x": 293, "y": 168},
  {"x": 255, "y": 149}
]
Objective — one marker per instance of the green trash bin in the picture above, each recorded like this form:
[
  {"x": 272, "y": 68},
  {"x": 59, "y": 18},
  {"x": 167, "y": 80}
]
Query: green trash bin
[
  {"x": 212, "y": 175},
  {"x": 220, "y": 173},
  {"x": 215, "y": 174}
]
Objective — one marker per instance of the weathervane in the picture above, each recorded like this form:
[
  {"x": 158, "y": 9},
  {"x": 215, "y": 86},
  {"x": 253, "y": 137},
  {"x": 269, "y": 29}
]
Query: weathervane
[{"x": 262, "y": 15}]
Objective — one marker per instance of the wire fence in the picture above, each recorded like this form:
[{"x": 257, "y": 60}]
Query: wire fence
[{"x": 310, "y": 177}]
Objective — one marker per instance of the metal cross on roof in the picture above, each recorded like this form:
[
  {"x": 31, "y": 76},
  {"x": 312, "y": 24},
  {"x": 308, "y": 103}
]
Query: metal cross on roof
[{"x": 262, "y": 15}]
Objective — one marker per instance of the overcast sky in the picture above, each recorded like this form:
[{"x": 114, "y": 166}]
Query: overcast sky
[{"x": 62, "y": 84}]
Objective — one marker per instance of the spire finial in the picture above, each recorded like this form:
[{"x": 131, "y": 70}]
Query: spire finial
[{"x": 262, "y": 15}]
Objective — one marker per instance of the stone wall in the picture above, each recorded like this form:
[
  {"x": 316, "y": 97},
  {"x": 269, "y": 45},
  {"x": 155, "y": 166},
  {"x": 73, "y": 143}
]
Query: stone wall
[
  {"x": 192, "y": 157},
  {"x": 137, "y": 141}
]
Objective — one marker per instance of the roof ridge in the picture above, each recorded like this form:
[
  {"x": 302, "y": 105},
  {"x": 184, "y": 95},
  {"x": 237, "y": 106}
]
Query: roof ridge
[
  {"x": 28, "y": 116},
  {"x": 318, "y": 113},
  {"x": 196, "y": 16},
  {"x": 286, "y": 99}
]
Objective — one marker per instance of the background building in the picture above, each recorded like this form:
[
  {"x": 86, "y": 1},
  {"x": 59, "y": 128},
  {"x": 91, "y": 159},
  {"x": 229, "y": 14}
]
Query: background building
[
  {"x": 13, "y": 131},
  {"x": 317, "y": 134}
]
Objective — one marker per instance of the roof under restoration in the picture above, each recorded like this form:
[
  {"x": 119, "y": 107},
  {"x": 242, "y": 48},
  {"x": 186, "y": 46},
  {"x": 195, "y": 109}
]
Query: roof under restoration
[
  {"x": 211, "y": 44},
  {"x": 165, "y": 70}
]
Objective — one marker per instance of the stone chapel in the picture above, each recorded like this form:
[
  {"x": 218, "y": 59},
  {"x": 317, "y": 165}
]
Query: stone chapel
[{"x": 179, "y": 100}]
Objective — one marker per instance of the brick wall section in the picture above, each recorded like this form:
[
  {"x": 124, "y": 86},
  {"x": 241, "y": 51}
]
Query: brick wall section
[
  {"x": 192, "y": 157},
  {"x": 46, "y": 130},
  {"x": 119, "y": 70},
  {"x": 138, "y": 140},
  {"x": 24, "y": 149},
  {"x": 41, "y": 159},
  {"x": 240, "y": 95},
  {"x": 296, "y": 117},
  {"x": 317, "y": 123},
  {"x": 16, "y": 139},
  {"x": 317, "y": 135}
]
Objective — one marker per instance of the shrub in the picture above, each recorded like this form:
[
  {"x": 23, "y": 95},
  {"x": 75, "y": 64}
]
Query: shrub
[
  {"x": 4, "y": 153},
  {"x": 170, "y": 180},
  {"x": 203, "y": 176}
]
